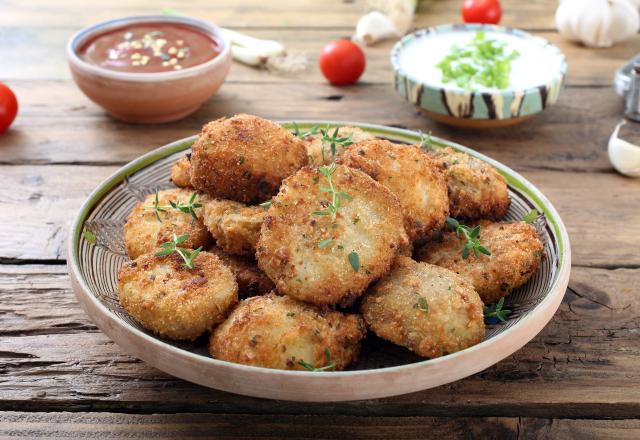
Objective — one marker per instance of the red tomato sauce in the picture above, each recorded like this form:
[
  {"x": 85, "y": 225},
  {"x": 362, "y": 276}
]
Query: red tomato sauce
[{"x": 149, "y": 48}]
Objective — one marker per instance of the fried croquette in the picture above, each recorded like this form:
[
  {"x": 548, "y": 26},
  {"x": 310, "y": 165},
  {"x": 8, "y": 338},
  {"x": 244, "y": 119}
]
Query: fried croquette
[
  {"x": 476, "y": 189},
  {"x": 326, "y": 237},
  {"x": 280, "y": 332},
  {"x": 416, "y": 179},
  {"x": 244, "y": 158},
  {"x": 175, "y": 302},
  {"x": 425, "y": 308},
  {"x": 152, "y": 223},
  {"x": 181, "y": 172},
  {"x": 251, "y": 280},
  {"x": 320, "y": 153},
  {"x": 234, "y": 226},
  {"x": 516, "y": 251}
]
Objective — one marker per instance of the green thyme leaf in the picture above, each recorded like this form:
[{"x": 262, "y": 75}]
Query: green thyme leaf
[
  {"x": 495, "y": 312},
  {"x": 89, "y": 236},
  {"x": 324, "y": 243},
  {"x": 422, "y": 304},
  {"x": 472, "y": 238},
  {"x": 329, "y": 366},
  {"x": 265, "y": 205},
  {"x": 531, "y": 216},
  {"x": 354, "y": 259}
]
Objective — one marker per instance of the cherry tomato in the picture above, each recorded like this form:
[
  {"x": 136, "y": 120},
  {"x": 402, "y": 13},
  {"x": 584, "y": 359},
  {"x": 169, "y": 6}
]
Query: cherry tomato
[
  {"x": 8, "y": 107},
  {"x": 481, "y": 11},
  {"x": 342, "y": 62}
]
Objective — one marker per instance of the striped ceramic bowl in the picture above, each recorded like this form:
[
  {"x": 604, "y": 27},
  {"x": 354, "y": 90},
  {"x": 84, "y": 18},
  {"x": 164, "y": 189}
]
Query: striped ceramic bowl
[
  {"x": 383, "y": 370},
  {"x": 541, "y": 68}
]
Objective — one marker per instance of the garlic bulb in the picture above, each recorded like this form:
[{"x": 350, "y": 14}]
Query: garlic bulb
[
  {"x": 597, "y": 23},
  {"x": 624, "y": 156}
]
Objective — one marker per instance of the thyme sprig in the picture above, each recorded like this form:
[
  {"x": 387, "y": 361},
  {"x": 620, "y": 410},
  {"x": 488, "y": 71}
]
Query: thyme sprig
[
  {"x": 472, "y": 236},
  {"x": 187, "y": 208},
  {"x": 172, "y": 246},
  {"x": 426, "y": 141},
  {"x": 330, "y": 365},
  {"x": 336, "y": 196},
  {"x": 494, "y": 313},
  {"x": 304, "y": 134},
  {"x": 331, "y": 140}
]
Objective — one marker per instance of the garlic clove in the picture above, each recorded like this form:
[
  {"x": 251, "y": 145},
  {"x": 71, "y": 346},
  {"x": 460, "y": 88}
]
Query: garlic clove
[
  {"x": 623, "y": 155},
  {"x": 373, "y": 27}
]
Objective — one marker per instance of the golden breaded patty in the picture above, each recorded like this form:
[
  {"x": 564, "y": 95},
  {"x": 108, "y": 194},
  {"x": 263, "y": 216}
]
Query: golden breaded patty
[
  {"x": 516, "y": 251},
  {"x": 428, "y": 309},
  {"x": 235, "y": 226},
  {"x": 416, "y": 179},
  {"x": 280, "y": 332},
  {"x": 181, "y": 172},
  {"x": 476, "y": 189},
  {"x": 251, "y": 280},
  {"x": 315, "y": 145},
  {"x": 143, "y": 232},
  {"x": 176, "y": 302},
  {"x": 320, "y": 260},
  {"x": 244, "y": 158}
]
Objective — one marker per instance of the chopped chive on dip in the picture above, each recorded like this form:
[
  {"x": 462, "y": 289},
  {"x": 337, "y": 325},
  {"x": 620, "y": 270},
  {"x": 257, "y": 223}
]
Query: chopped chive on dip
[{"x": 483, "y": 62}]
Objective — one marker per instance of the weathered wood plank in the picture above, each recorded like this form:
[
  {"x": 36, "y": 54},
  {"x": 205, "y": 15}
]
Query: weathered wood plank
[
  {"x": 39, "y": 202},
  {"x": 59, "y": 125},
  {"x": 28, "y": 56},
  {"x": 532, "y": 14},
  {"x": 98, "y": 426},
  {"x": 584, "y": 364}
]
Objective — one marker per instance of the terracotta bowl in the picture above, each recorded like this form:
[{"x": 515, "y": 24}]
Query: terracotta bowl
[
  {"x": 383, "y": 370},
  {"x": 149, "y": 97}
]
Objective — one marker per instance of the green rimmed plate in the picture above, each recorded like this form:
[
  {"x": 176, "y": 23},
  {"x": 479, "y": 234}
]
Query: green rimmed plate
[{"x": 384, "y": 369}]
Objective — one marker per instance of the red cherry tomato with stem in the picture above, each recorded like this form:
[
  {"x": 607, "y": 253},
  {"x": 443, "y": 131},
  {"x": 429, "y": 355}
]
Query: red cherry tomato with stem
[
  {"x": 8, "y": 107},
  {"x": 481, "y": 11},
  {"x": 342, "y": 62}
]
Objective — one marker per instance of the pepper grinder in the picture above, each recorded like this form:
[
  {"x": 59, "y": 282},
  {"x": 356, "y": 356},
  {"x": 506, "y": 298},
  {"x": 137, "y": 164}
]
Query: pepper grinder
[{"x": 632, "y": 104}]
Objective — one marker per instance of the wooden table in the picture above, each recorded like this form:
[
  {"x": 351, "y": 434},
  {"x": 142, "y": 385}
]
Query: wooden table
[{"x": 61, "y": 377}]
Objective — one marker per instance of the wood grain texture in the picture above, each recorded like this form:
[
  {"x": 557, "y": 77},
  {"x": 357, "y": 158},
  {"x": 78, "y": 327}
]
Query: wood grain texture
[
  {"x": 532, "y": 14},
  {"x": 98, "y": 426},
  {"x": 41, "y": 201},
  {"x": 28, "y": 56},
  {"x": 572, "y": 135},
  {"x": 582, "y": 364}
]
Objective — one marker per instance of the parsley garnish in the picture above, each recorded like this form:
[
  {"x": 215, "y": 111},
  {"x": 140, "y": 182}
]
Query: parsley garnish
[
  {"x": 330, "y": 365},
  {"x": 482, "y": 62},
  {"x": 495, "y": 312},
  {"x": 531, "y": 216},
  {"x": 172, "y": 246},
  {"x": 471, "y": 235},
  {"x": 354, "y": 259},
  {"x": 336, "y": 196}
]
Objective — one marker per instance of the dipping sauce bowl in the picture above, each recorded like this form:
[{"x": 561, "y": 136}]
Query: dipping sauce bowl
[{"x": 149, "y": 69}]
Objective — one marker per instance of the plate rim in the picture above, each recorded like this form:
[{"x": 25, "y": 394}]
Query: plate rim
[{"x": 113, "y": 326}]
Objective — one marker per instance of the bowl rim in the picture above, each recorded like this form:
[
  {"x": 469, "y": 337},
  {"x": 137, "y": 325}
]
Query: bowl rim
[
  {"x": 446, "y": 28},
  {"x": 84, "y": 34},
  {"x": 526, "y": 328}
]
